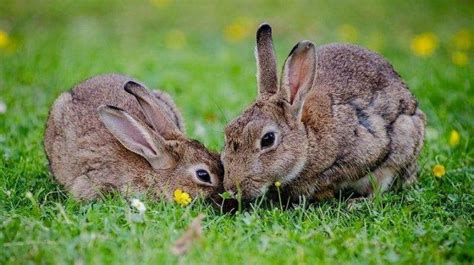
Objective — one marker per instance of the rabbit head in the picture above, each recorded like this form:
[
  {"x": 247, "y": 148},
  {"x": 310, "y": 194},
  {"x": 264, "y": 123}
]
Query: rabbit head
[
  {"x": 175, "y": 162},
  {"x": 268, "y": 142}
]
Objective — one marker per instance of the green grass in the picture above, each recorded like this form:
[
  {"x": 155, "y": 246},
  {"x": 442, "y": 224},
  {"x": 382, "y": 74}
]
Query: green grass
[{"x": 56, "y": 44}]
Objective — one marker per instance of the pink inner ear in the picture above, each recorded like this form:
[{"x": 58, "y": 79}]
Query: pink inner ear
[
  {"x": 134, "y": 134},
  {"x": 294, "y": 85},
  {"x": 129, "y": 132},
  {"x": 299, "y": 75}
]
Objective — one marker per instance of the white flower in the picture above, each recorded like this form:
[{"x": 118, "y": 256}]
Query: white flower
[
  {"x": 140, "y": 206},
  {"x": 200, "y": 130},
  {"x": 431, "y": 133},
  {"x": 3, "y": 107},
  {"x": 29, "y": 195}
]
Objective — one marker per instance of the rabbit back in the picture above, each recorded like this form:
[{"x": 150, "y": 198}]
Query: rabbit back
[
  {"x": 83, "y": 155},
  {"x": 375, "y": 120}
]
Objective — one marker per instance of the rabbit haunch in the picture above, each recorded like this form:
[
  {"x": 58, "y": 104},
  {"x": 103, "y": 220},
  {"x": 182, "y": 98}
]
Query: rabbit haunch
[{"x": 340, "y": 115}]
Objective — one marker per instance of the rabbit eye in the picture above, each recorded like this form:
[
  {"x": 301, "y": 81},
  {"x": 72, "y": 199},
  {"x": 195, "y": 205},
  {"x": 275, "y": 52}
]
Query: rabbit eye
[
  {"x": 203, "y": 175},
  {"x": 267, "y": 140}
]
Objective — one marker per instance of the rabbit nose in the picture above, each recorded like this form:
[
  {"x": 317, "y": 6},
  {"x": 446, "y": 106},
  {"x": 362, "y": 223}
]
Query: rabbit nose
[
  {"x": 230, "y": 186},
  {"x": 232, "y": 193}
]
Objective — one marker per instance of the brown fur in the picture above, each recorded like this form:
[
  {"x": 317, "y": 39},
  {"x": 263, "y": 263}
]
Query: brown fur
[
  {"x": 355, "y": 118},
  {"x": 88, "y": 160}
]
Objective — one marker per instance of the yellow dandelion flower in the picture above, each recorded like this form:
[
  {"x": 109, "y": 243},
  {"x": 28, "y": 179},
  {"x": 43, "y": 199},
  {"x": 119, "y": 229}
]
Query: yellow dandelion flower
[
  {"x": 210, "y": 117},
  {"x": 463, "y": 39},
  {"x": 161, "y": 3},
  {"x": 4, "y": 39},
  {"x": 182, "y": 197},
  {"x": 460, "y": 58},
  {"x": 175, "y": 39},
  {"x": 425, "y": 44},
  {"x": 439, "y": 170},
  {"x": 277, "y": 184},
  {"x": 238, "y": 30},
  {"x": 348, "y": 33},
  {"x": 454, "y": 138}
]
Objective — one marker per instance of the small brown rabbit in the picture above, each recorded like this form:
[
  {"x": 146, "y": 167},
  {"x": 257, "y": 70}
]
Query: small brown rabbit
[
  {"x": 111, "y": 133},
  {"x": 340, "y": 118}
]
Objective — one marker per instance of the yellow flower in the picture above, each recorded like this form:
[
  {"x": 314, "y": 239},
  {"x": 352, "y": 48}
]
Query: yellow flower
[
  {"x": 462, "y": 39},
  {"x": 425, "y": 44},
  {"x": 454, "y": 138},
  {"x": 161, "y": 3},
  {"x": 460, "y": 58},
  {"x": 278, "y": 184},
  {"x": 238, "y": 30},
  {"x": 4, "y": 39},
  {"x": 182, "y": 197},
  {"x": 439, "y": 170},
  {"x": 348, "y": 33},
  {"x": 175, "y": 39}
]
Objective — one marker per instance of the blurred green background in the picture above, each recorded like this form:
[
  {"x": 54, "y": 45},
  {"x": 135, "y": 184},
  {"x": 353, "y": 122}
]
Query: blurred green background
[{"x": 201, "y": 52}]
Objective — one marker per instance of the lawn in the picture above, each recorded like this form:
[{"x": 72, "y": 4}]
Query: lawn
[{"x": 202, "y": 54}]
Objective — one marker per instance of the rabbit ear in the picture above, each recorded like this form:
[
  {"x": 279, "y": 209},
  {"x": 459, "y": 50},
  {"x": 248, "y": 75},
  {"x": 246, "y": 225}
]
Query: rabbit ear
[
  {"x": 298, "y": 74},
  {"x": 266, "y": 62},
  {"x": 135, "y": 137},
  {"x": 154, "y": 114}
]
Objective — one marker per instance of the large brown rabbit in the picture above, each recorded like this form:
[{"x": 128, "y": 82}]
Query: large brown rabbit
[
  {"x": 340, "y": 117},
  {"x": 100, "y": 138}
]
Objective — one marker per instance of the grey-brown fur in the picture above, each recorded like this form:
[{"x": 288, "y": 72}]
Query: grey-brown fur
[
  {"x": 356, "y": 118},
  {"x": 88, "y": 160}
]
